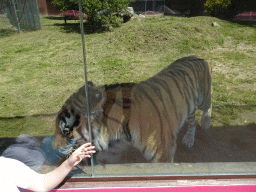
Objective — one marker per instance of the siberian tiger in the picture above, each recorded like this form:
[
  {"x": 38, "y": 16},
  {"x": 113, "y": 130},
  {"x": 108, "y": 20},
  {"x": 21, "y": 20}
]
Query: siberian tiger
[
  {"x": 148, "y": 115},
  {"x": 71, "y": 121}
]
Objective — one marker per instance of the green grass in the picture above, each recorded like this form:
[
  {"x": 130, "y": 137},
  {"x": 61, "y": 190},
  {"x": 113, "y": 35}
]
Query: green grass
[{"x": 39, "y": 70}]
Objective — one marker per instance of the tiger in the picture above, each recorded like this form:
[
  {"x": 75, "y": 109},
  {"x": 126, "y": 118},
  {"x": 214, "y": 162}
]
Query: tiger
[
  {"x": 72, "y": 119},
  {"x": 147, "y": 115}
]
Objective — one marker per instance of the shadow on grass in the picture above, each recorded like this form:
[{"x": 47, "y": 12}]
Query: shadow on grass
[
  {"x": 69, "y": 27},
  {"x": 240, "y": 22},
  {"x": 7, "y": 32},
  {"x": 247, "y": 23},
  {"x": 53, "y": 17},
  {"x": 22, "y": 117},
  {"x": 75, "y": 28}
]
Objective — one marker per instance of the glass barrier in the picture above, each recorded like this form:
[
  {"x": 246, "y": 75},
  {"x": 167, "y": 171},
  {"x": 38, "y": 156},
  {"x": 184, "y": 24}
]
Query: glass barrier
[{"x": 145, "y": 112}]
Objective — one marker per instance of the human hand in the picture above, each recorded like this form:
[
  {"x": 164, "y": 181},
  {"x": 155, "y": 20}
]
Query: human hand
[{"x": 79, "y": 154}]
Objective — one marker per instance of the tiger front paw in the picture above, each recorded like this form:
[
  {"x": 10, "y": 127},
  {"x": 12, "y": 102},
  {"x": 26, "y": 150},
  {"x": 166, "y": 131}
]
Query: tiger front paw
[
  {"x": 206, "y": 119},
  {"x": 188, "y": 140}
]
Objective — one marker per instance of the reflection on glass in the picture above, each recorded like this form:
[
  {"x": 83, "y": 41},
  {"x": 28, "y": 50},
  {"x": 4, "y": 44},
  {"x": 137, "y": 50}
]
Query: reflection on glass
[
  {"x": 136, "y": 124},
  {"x": 157, "y": 110},
  {"x": 143, "y": 122}
]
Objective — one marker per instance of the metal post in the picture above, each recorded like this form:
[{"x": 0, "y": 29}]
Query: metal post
[
  {"x": 16, "y": 17},
  {"x": 86, "y": 83},
  {"x": 164, "y": 6},
  {"x": 145, "y": 7}
]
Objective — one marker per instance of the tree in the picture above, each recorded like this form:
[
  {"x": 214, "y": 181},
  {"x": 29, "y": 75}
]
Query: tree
[
  {"x": 63, "y": 5},
  {"x": 217, "y": 7},
  {"x": 101, "y": 12}
]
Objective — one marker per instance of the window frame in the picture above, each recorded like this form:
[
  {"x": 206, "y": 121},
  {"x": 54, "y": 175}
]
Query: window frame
[{"x": 158, "y": 181}]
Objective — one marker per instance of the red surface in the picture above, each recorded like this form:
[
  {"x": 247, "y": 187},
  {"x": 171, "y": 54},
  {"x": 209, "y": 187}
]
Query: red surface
[
  {"x": 150, "y": 13},
  {"x": 248, "y": 16},
  {"x": 71, "y": 13},
  {"x": 228, "y": 188}
]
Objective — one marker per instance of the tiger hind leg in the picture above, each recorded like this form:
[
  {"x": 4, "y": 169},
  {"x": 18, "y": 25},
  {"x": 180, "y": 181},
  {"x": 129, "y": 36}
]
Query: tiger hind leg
[
  {"x": 188, "y": 138},
  {"x": 206, "y": 118}
]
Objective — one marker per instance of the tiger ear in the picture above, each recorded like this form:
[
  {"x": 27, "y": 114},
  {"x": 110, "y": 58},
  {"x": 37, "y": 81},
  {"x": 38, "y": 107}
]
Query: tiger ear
[{"x": 97, "y": 100}]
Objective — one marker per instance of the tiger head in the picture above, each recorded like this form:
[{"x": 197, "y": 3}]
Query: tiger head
[{"x": 72, "y": 119}]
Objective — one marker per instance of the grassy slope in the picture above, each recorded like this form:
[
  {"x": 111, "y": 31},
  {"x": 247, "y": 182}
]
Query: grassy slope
[{"x": 40, "y": 70}]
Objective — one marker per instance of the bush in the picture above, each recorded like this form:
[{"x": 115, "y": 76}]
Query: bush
[
  {"x": 101, "y": 12},
  {"x": 217, "y": 7}
]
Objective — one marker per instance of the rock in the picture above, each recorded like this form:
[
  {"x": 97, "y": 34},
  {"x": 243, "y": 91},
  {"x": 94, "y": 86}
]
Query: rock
[
  {"x": 215, "y": 24},
  {"x": 130, "y": 10}
]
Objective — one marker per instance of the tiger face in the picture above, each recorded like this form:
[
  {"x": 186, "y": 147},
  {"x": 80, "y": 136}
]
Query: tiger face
[
  {"x": 68, "y": 121},
  {"x": 72, "y": 119}
]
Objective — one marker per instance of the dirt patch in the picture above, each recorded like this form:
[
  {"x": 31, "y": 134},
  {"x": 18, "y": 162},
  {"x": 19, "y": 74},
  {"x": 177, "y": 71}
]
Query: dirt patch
[{"x": 217, "y": 144}]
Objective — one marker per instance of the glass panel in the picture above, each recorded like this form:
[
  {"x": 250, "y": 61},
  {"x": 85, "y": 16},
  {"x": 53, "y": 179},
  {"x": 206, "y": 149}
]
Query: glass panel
[
  {"x": 134, "y": 124},
  {"x": 36, "y": 78}
]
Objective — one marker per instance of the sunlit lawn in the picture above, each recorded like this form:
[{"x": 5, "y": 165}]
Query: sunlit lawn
[{"x": 41, "y": 69}]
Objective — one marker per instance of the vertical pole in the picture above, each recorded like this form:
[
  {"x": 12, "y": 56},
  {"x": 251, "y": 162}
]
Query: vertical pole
[
  {"x": 164, "y": 6},
  {"x": 17, "y": 20},
  {"x": 145, "y": 7},
  {"x": 86, "y": 83}
]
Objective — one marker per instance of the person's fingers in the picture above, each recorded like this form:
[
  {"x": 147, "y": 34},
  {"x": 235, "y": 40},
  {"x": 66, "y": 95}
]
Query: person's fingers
[
  {"x": 82, "y": 147},
  {"x": 85, "y": 145},
  {"x": 89, "y": 149},
  {"x": 81, "y": 155},
  {"x": 83, "y": 151},
  {"x": 87, "y": 152}
]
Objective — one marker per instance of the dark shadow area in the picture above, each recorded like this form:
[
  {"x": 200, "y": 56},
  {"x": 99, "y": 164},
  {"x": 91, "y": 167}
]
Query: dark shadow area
[
  {"x": 241, "y": 107},
  {"x": 55, "y": 17},
  {"x": 75, "y": 28},
  {"x": 231, "y": 17},
  {"x": 6, "y": 142},
  {"x": 21, "y": 117},
  {"x": 7, "y": 32},
  {"x": 69, "y": 27},
  {"x": 217, "y": 144},
  {"x": 247, "y": 23}
]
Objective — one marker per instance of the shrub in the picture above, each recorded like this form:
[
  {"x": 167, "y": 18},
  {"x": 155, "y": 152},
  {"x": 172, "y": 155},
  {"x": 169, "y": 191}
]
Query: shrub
[
  {"x": 217, "y": 7},
  {"x": 101, "y": 12}
]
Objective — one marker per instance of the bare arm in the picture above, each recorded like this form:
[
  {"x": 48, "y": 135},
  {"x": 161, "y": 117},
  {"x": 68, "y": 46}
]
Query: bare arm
[{"x": 55, "y": 177}]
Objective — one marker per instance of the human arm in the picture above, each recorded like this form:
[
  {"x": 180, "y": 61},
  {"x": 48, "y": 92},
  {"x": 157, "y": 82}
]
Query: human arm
[{"x": 55, "y": 177}]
